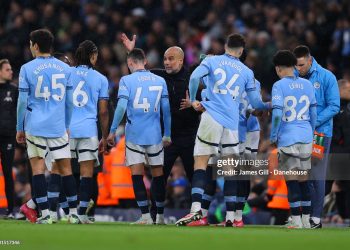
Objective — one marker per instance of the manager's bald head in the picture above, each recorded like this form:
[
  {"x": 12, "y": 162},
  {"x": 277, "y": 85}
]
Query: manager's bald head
[{"x": 173, "y": 59}]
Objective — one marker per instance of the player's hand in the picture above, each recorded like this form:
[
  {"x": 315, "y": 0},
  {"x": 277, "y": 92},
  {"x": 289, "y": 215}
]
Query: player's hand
[
  {"x": 102, "y": 146},
  {"x": 257, "y": 113},
  {"x": 273, "y": 143},
  {"x": 21, "y": 137},
  {"x": 129, "y": 45},
  {"x": 166, "y": 141},
  {"x": 111, "y": 140},
  {"x": 185, "y": 103},
  {"x": 266, "y": 113},
  {"x": 68, "y": 133},
  {"x": 198, "y": 106}
]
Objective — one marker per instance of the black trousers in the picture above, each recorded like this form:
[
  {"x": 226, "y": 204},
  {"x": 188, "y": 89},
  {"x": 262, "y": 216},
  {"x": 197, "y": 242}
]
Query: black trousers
[
  {"x": 280, "y": 216},
  {"x": 7, "y": 151},
  {"x": 182, "y": 147}
]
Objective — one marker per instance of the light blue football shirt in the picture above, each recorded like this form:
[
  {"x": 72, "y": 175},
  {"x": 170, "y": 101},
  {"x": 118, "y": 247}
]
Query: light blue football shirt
[
  {"x": 45, "y": 80},
  {"x": 294, "y": 96},
  {"x": 227, "y": 79},
  {"x": 144, "y": 91},
  {"x": 89, "y": 86}
]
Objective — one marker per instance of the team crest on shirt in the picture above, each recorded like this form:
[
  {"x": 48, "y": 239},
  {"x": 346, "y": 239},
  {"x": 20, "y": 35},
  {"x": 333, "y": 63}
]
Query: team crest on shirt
[
  {"x": 317, "y": 85},
  {"x": 8, "y": 98}
]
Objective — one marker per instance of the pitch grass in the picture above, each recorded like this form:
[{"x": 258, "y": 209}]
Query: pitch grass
[{"x": 123, "y": 236}]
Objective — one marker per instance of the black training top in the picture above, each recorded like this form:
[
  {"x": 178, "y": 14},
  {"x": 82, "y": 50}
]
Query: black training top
[
  {"x": 183, "y": 122},
  {"x": 8, "y": 109}
]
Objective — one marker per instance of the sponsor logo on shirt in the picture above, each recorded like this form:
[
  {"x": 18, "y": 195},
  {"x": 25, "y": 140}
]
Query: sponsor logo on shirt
[{"x": 276, "y": 97}]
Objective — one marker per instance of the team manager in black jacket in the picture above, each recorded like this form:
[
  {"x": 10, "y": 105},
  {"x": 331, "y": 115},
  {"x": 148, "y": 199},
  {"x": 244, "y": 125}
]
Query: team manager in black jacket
[
  {"x": 8, "y": 106},
  {"x": 184, "y": 119}
]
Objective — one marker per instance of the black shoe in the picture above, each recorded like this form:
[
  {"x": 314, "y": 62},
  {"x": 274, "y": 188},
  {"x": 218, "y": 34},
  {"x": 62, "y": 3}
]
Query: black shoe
[
  {"x": 228, "y": 223},
  {"x": 315, "y": 225},
  {"x": 9, "y": 216}
]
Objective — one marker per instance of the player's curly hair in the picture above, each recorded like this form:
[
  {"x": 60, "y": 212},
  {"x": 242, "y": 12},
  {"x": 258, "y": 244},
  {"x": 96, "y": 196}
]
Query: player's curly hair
[
  {"x": 284, "y": 58},
  {"x": 84, "y": 52}
]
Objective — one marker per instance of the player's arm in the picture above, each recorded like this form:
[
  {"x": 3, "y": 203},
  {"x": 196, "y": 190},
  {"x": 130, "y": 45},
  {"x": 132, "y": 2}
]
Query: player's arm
[
  {"x": 165, "y": 106},
  {"x": 123, "y": 98},
  {"x": 253, "y": 92},
  {"x": 118, "y": 114},
  {"x": 313, "y": 116},
  {"x": 196, "y": 76},
  {"x": 332, "y": 101},
  {"x": 103, "y": 114},
  {"x": 256, "y": 101},
  {"x": 21, "y": 110},
  {"x": 250, "y": 109},
  {"x": 277, "y": 112},
  {"x": 104, "y": 120},
  {"x": 22, "y": 106},
  {"x": 313, "y": 110},
  {"x": 276, "y": 123},
  {"x": 69, "y": 105}
]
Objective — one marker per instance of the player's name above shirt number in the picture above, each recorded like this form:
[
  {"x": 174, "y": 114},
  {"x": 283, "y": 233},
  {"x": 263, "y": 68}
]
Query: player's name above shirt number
[
  {"x": 295, "y": 85},
  {"x": 231, "y": 64},
  {"x": 43, "y": 66},
  {"x": 146, "y": 78},
  {"x": 81, "y": 73}
]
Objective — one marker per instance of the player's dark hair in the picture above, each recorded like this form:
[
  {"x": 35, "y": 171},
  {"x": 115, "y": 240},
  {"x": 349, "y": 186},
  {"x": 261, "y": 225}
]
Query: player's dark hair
[
  {"x": 84, "y": 52},
  {"x": 235, "y": 41},
  {"x": 284, "y": 58},
  {"x": 43, "y": 38},
  {"x": 3, "y": 61},
  {"x": 137, "y": 55},
  {"x": 301, "y": 51}
]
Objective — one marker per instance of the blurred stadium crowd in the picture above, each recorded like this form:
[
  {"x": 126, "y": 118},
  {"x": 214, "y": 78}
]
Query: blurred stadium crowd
[{"x": 197, "y": 26}]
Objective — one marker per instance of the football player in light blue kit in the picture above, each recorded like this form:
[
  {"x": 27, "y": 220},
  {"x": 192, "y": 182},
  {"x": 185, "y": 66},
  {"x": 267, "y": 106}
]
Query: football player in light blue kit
[
  {"x": 90, "y": 97},
  {"x": 142, "y": 95},
  {"x": 293, "y": 123},
  {"x": 44, "y": 113},
  {"x": 228, "y": 78}
]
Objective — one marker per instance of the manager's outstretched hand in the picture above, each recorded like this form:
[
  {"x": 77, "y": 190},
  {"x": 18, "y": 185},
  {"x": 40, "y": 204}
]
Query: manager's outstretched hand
[{"x": 128, "y": 44}]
